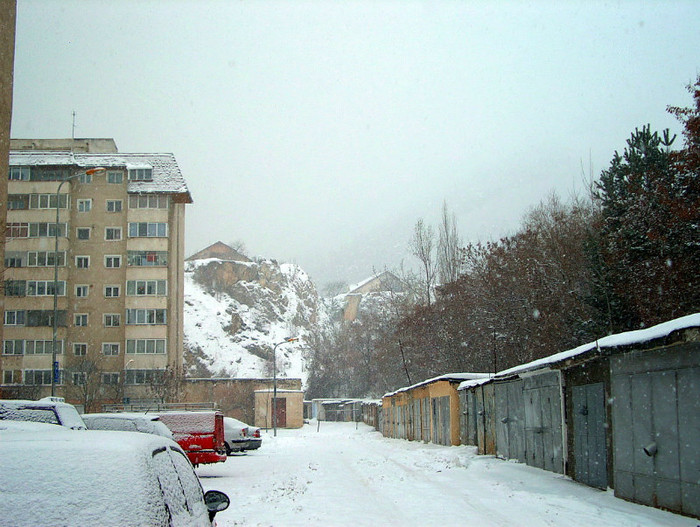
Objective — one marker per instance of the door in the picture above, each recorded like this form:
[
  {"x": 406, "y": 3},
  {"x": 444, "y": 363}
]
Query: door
[
  {"x": 543, "y": 422},
  {"x": 590, "y": 450},
  {"x": 279, "y": 409}
]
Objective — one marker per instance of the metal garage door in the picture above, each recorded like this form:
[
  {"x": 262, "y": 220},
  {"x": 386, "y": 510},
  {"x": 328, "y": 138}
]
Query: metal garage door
[
  {"x": 589, "y": 420},
  {"x": 656, "y": 426},
  {"x": 543, "y": 422}
]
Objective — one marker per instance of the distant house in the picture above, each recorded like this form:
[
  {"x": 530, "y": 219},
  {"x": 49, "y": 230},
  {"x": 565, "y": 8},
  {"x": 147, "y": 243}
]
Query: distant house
[
  {"x": 221, "y": 251},
  {"x": 385, "y": 281}
]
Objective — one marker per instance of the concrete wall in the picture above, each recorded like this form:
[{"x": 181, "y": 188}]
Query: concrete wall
[{"x": 234, "y": 397}]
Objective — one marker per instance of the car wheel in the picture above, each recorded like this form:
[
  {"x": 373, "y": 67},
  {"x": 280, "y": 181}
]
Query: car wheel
[{"x": 228, "y": 449}]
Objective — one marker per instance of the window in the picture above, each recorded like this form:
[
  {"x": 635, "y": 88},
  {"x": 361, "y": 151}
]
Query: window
[
  {"x": 112, "y": 262},
  {"x": 15, "y": 318},
  {"x": 81, "y": 291},
  {"x": 82, "y": 262},
  {"x": 79, "y": 349},
  {"x": 84, "y": 205},
  {"x": 42, "y": 347},
  {"x": 44, "y": 318},
  {"x": 48, "y": 201},
  {"x": 146, "y": 346},
  {"x": 148, "y": 201},
  {"x": 110, "y": 348},
  {"x": 80, "y": 320},
  {"x": 146, "y": 287},
  {"x": 43, "y": 230},
  {"x": 85, "y": 178},
  {"x": 114, "y": 205},
  {"x": 45, "y": 288},
  {"x": 112, "y": 320},
  {"x": 79, "y": 378},
  {"x": 19, "y": 173},
  {"x": 112, "y": 291},
  {"x": 113, "y": 233},
  {"x": 144, "y": 376},
  {"x": 146, "y": 316},
  {"x": 9, "y": 377},
  {"x": 41, "y": 377},
  {"x": 45, "y": 258},
  {"x": 15, "y": 288},
  {"x": 110, "y": 378},
  {"x": 147, "y": 258},
  {"x": 148, "y": 230},
  {"x": 13, "y": 347},
  {"x": 17, "y": 201},
  {"x": 140, "y": 174},
  {"x": 115, "y": 178},
  {"x": 83, "y": 233},
  {"x": 17, "y": 230},
  {"x": 15, "y": 259}
]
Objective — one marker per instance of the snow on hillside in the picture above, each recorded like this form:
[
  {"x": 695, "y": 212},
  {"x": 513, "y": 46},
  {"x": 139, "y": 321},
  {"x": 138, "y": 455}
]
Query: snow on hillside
[{"x": 232, "y": 324}]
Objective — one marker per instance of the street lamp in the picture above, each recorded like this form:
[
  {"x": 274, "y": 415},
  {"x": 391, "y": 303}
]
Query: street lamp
[
  {"x": 54, "y": 362},
  {"x": 274, "y": 381}
]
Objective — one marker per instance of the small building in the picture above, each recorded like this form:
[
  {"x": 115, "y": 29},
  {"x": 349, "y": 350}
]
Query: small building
[
  {"x": 428, "y": 411},
  {"x": 381, "y": 282},
  {"x": 220, "y": 251},
  {"x": 290, "y": 408}
]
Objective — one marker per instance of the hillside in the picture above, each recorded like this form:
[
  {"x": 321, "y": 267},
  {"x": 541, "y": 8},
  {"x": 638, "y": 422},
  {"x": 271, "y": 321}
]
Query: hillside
[{"x": 235, "y": 312}]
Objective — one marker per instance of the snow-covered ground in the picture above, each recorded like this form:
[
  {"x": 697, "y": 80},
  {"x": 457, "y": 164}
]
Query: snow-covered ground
[{"x": 349, "y": 475}]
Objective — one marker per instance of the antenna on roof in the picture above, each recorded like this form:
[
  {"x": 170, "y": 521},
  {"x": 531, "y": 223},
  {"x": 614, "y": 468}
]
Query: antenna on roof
[{"x": 73, "y": 132}]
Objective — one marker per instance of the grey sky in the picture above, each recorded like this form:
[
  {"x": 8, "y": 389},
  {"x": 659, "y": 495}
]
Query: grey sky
[{"x": 319, "y": 132}]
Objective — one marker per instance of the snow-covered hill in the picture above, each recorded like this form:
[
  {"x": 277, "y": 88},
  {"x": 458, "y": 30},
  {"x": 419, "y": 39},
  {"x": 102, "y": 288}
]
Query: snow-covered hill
[{"x": 235, "y": 312}]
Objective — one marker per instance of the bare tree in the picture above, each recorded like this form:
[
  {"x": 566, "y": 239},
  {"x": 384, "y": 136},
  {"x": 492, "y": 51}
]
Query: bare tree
[
  {"x": 167, "y": 385},
  {"x": 422, "y": 246},
  {"x": 85, "y": 384},
  {"x": 448, "y": 249}
]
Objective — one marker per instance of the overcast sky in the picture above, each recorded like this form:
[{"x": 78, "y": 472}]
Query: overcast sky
[{"x": 319, "y": 132}]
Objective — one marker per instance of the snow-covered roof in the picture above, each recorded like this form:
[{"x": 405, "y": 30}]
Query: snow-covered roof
[
  {"x": 453, "y": 377},
  {"x": 474, "y": 382},
  {"x": 612, "y": 341},
  {"x": 167, "y": 177}
]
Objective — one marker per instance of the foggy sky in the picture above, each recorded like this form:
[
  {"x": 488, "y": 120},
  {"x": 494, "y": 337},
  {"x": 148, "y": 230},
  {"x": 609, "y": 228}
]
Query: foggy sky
[{"x": 319, "y": 132}]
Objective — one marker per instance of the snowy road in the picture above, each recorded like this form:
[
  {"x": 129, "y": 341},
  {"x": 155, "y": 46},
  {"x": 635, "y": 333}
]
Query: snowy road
[{"x": 343, "y": 476}]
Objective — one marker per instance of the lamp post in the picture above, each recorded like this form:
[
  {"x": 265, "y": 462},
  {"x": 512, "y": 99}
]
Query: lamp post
[
  {"x": 274, "y": 382},
  {"x": 125, "y": 399},
  {"x": 54, "y": 362}
]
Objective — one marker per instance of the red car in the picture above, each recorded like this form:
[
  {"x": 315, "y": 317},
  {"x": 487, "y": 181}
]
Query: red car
[{"x": 199, "y": 434}]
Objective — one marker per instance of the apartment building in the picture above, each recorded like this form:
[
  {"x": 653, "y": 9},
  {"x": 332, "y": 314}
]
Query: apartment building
[{"x": 113, "y": 290}]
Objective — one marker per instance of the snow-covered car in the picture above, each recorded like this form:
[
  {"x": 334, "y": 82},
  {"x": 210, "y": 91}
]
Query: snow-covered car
[
  {"x": 98, "y": 477},
  {"x": 128, "y": 422},
  {"x": 254, "y": 438},
  {"x": 239, "y": 436},
  {"x": 235, "y": 435},
  {"x": 47, "y": 410}
]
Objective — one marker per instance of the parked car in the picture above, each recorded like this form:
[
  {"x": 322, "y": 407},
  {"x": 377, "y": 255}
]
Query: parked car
[
  {"x": 49, "y": 410},
  {"x": 200, "y": 434},
  {"x": 103, "y": 478},
  {"x": 235, "y": 435},
  {"x": 239, "y": 436},
  {"x": 127, "y": 422},
  {"x": 254, "y": 438}
]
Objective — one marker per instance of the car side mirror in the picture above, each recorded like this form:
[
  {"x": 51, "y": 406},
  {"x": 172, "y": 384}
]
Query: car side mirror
[{"x": 216, "y": 501}]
